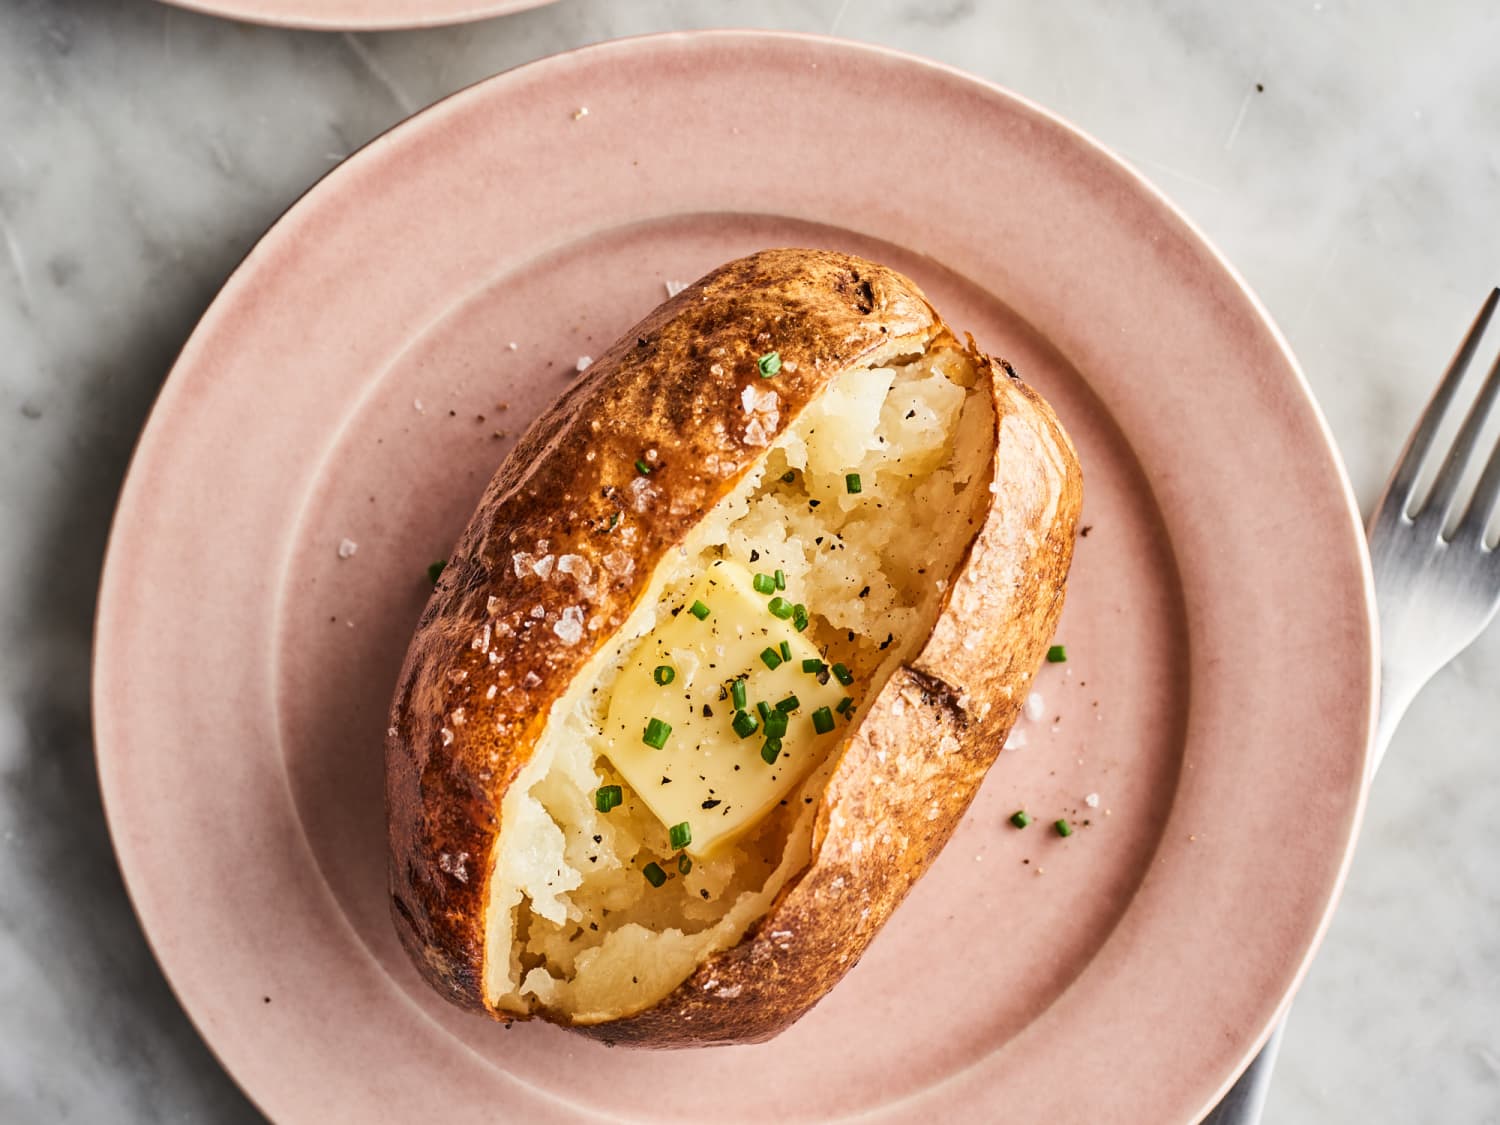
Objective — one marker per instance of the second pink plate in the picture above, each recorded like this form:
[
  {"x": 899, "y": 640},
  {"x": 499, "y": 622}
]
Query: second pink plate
[
  {"x": 358, "y": 15},
  {"x": 366, "y": 369}
]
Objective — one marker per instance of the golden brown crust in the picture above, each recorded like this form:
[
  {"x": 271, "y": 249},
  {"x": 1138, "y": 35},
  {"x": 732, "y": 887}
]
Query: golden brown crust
[
  {"x": 511, "y": 613},
  {"x": 929, "y": 737}
]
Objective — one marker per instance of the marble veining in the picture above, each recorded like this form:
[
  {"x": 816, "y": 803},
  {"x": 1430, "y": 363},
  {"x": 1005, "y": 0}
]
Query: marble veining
[{"x": 1344, "y": 156}]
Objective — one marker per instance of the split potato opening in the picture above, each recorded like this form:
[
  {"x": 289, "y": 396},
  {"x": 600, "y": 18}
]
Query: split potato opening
[{"x": 672, "y": 793}]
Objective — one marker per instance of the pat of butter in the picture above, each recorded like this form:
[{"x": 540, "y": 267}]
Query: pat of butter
[{"x": 707, "y": 775}]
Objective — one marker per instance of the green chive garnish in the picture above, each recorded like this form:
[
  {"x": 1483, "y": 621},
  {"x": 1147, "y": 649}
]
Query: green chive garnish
[
  {"x": 769, "y": 364},
  {"x": 771, "y": 658},
  {"x": 1020, "y": 818},
  {"x": 780, "y": 607},
  {"x": 842, "y": 674},
  {"x": 684, "y": 864},
  {"x": 656, "y": 734},
  {"x": 789, "y": 704},
  {"x": 775, "y": 724},
  {"x": 844, "y": 705},
  {"x": 1057, "y": 654},
  {"x": 822, "y": 720},
  {"x": 852, "y": 484},
  {"x": 664, "y": 674},
  {"x": 770, "y": 751},
  {"x": 698, "y": 610},
  {"x": 435, "y": 571},
  {"x": 607, "y": 797},
  {"x": 681, "y": 835},
  {"x": 786, "y": 651},
  {"x": 763, "y": 710},
  {"x": 737, "y": 693},
  {"x": 799, "y": 617},
  {"x": 780, "y": 577},
  {"x": 654, "y": 874},
  {"x": 813, "y": 665},
  {"x": 764, "y": 584},
  {"x": 745, "y": 724},
  {"x": 1063, "y": 828},
  {"x": 643, "y": 468}
]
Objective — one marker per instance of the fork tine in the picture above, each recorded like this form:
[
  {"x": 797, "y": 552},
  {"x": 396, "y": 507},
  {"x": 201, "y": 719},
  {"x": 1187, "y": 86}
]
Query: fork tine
[
  {"x": 1486, "y": 493},
  {"x": 1404, "y": 480},
  {"x": 1445, "y": 487}
]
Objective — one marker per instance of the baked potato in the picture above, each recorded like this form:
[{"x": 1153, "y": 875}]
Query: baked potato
[{"x": 723, "y": 656}]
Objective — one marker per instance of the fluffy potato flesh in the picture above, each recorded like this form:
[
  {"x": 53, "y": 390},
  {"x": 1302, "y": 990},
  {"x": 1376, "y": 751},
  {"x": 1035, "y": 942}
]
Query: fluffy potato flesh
[{"x": 864, "y": 505}]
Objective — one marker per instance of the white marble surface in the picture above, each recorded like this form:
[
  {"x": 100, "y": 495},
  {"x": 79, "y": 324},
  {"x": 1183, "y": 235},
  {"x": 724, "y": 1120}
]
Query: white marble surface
[{"x": 143, "y": 149}]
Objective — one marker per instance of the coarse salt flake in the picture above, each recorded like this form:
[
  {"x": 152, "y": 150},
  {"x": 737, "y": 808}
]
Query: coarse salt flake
[
  {"x": 1036, "y": 707},
  {"x": 543, "y": 566},
  {"x": 457, "y": 717},
  {"x": 347, "y": 547},
  {"x": 1092, "y": 800},
  {"x": 531, "y": 680},
  {"x": 584, "y": 361},
  {"x": 447, "y": 736},
  {"x": 675, "y": 287},
  {"x": 492, "y": 605},
  {"x": 569, "y": 627},
  {"x": 1016, "y": 740},
  {"x": 577, "y": 566}
]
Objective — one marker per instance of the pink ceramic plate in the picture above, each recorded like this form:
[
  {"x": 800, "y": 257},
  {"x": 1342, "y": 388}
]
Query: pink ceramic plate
[
  {"x": 358, "y": 15},
  {"x": 365, "y": 370}
]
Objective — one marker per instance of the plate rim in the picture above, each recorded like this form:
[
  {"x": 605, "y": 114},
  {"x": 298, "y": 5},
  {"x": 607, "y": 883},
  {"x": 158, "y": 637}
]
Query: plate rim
[
  {"x": 332, "y": 180},
  {"x": 407, "y": 15}
]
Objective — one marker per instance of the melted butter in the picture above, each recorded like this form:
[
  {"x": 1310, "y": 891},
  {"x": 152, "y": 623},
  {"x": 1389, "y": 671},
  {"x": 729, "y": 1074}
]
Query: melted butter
[{"x": 707, "y": 775}]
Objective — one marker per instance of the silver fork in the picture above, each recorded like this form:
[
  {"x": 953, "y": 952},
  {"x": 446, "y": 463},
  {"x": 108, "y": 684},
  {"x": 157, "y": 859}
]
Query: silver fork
[{"x": 1436, "y": 590}]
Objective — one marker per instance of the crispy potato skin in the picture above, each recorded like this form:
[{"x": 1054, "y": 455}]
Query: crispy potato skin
[{"x": 673, "y": 386}]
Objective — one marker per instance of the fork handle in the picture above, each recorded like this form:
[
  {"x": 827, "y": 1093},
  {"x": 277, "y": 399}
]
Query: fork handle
[{"x": 1246, "y": 1099}]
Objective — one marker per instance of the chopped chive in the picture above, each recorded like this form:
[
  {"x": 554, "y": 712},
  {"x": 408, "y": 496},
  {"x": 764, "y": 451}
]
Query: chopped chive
[
  {"x": 844, "y": 705},
  {"x": 789, "y": 704},
  {"x": 745, "y": 724},
  {"x": 664, "y": 674},
  {"x": 799, "y": 617},
  {"x": 842, "y": 674},
  {"x": 681, "y": 835},
  {"x": 435, "y": 571},
  {"x": 780, "y": 577},
  {"x": 642, "y": 468},
  {"x": 698, "y": 610},
  {"x": 788, "y": 476},
  {"x": 614, "y": 521},
  {"x": 1020, "y": 818},
  {"x": 654, "y": 874},
  {"x": 763, "y": 710},
  {"x": 775, "y": 724},
  {"x": 769, "y": 364},
  {"x": 852, "y": 484},
  {"x": 607, "y": 797},
  {"x": 684, "y": 864},
  {"x": 813, "y": 665},
  {"x": 1063, "y": 828},
  {"x": 1057, "y": 654},
  {"x": 780, "y": 607},
  {"x": 770, "y": 750},
  {"x": 764, "y": 584},
  {"x": 737, "y": 693},
  {"x": 771, "y": 658},
  {"x": 786, "y": 652},
  {"x": 656, "y": 734},
  {"x": 822, "y": 720}
]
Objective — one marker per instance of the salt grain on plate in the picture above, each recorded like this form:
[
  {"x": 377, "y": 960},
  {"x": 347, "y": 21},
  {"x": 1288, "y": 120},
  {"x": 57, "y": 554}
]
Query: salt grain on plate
[
  {"x": 583, "y": 363},
  {"x": 1017, "y": 739},
  {"x": 347, "y": 547},
  {"x": 1092, "y": 800},
  {"x": 1036, "y": 707},
  {"x": 675, "y": 287}
]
